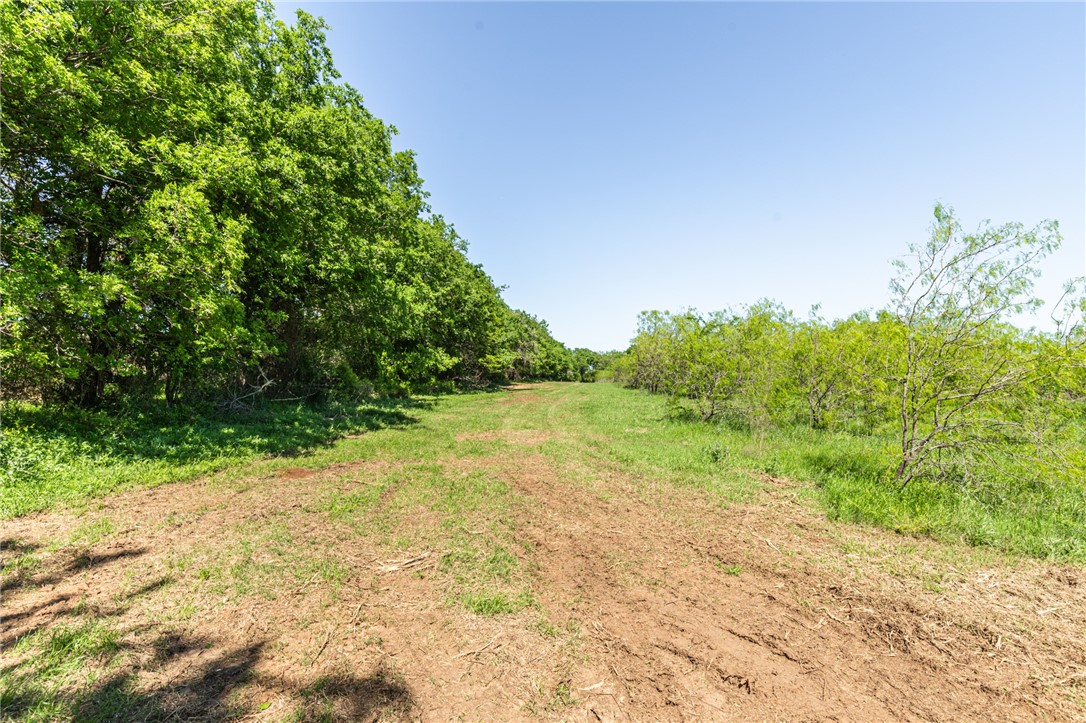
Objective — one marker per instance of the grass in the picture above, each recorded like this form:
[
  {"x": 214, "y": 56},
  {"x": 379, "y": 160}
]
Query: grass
[
  {"x": 433, "y": 484},
  {"x": 51, "y": 457},
  {"x": 844, "y": 474},
  {"x": 50, "y": 460},
  {"x": 66, "y": 657},
  {"x": 88, "y": 669},
  {"x": 498, "y": 603},
  {"x": 734, "y": 570}
]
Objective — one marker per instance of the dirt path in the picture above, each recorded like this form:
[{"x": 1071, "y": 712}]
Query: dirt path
[{"x": 650, "y": 603}]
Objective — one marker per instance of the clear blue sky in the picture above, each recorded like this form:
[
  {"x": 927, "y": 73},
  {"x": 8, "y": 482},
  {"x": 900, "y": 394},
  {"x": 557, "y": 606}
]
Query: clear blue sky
[{"x": 607, "y": 158}]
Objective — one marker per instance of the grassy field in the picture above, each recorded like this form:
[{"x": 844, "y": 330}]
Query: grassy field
[
  {"x": 51, "y": 460},
  {"x": 552, "y": 538}
]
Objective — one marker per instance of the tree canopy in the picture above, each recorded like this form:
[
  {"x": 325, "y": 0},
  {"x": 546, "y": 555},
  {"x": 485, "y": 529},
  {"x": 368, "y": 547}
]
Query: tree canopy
[{"x": 193, "y": 204}]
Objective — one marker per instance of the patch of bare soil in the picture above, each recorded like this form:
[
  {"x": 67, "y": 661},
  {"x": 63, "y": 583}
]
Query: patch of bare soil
[
  {"x": 696, "y": 612},
  {"x": 653, "y": 604},
  {"x": 523, "y": 437}
]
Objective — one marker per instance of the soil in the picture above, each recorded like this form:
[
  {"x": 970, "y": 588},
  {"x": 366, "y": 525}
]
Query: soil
[{"x": 656, "y": 604}]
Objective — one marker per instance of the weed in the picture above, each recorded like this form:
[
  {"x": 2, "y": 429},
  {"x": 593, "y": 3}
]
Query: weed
[
  {"x": 496, "y": 603},
  {"x": 729, "y": 569},
  {"x": 545, "y": 628},
  {"x": 562, "y": 696},
  {"x": 718, "y": 453}
]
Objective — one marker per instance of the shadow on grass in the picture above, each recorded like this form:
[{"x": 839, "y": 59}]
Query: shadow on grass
[
  {"x": 212, "y": 689},
  {"x": 19, "y": 623},
  {"x": 70, "y": 658},
  {"x": 193, "y": 435},
  {"x": 77, "y": 560},
  {"x": 347, "y": 697},
  {"x": 845, "y": 463}
]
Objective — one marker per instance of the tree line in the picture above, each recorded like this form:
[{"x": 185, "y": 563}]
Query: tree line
[
  {"x": 194, "y": 206},
  {"x": 959, "y": 393}
]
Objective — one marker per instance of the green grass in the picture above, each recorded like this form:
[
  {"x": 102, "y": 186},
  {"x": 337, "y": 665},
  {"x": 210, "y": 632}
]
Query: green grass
[
  {"x": 734, "y": 570},
  {"x": 586, "y": 430},
  {"x": 50, "y": 457},
  {"x": 59, "y": 660},
  {"x": 846, "y": 476},
  {"x": 433, "y": 485},
  {"x": 606, "y": 425},
  {"x": 496, "y": 603}
]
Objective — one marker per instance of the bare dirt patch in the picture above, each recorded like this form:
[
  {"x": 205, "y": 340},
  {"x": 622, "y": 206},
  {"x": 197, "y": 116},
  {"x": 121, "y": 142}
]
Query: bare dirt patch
[
  {"x": 523, "y": 437},
  {"x": 295, "y": 473}
]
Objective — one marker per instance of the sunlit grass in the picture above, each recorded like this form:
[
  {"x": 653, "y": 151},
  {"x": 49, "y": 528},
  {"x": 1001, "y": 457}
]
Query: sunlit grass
[
  {"x": 847, "y": 475},
  {"x": 585, "y": 430}
]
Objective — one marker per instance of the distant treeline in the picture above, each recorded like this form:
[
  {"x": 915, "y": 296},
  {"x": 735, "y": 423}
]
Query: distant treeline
[
  {"x": 194, "y": 207},
  {"x": 959, "y": 394}
]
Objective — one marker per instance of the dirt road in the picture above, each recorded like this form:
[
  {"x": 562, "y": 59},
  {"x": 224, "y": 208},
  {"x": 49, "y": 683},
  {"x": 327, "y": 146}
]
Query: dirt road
[{"x": 262, "y": 599}]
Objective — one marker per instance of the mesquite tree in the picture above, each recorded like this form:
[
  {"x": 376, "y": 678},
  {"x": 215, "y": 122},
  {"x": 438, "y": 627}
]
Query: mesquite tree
[{"x": 960, "y": 359}]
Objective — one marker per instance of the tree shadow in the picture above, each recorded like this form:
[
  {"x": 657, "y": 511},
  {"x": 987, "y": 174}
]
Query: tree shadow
[
  {"x": 347, "y": 697},
  {"x": 180, "y": 436},
  {"x": 10, "y": 619},
  {"x": 80, "y": 560},
  {"x": 18, "y": 546},
  {"x": 209, "y": 691},
  {"x": 84, "y": 559},
  {"x": 145, "y": 673}
]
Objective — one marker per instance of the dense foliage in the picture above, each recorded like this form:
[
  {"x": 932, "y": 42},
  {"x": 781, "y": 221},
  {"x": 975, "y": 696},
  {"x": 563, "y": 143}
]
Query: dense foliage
[
  {"x": 958, "y": 394},
  {"x": 193, "y": 206}
]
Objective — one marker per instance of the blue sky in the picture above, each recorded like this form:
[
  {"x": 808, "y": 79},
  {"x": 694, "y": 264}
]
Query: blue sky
[{"x": 607, "y": 158}]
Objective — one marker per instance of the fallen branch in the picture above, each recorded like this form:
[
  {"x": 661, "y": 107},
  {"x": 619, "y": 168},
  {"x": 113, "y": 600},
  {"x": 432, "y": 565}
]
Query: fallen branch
[
  {"x": 397, "y": 565},
  {"x": 480, "y": 650},
  {"x": 327, "y": 637}
]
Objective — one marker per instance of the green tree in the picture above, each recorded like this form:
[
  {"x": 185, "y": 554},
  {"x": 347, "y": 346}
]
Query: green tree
[
  {"x": 118, "y": 138},
  {"x": 961, "y": 361},
  {"x": 585, "y": 364},
  {"x": 842, "y": 370}
]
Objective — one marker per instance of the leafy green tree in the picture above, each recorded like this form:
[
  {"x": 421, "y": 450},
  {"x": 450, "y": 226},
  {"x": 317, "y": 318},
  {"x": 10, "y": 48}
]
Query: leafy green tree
[
  {"x": 585, "y": 364},
  {"x": 193, "y": 204},
  {"x": 118, "y": 138},
  {"x": 650, "y": 351},
  {"x": 842, "y": 370},
  {"x": 961, "y": 360},
  {"x": 727, "y": 364}
]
